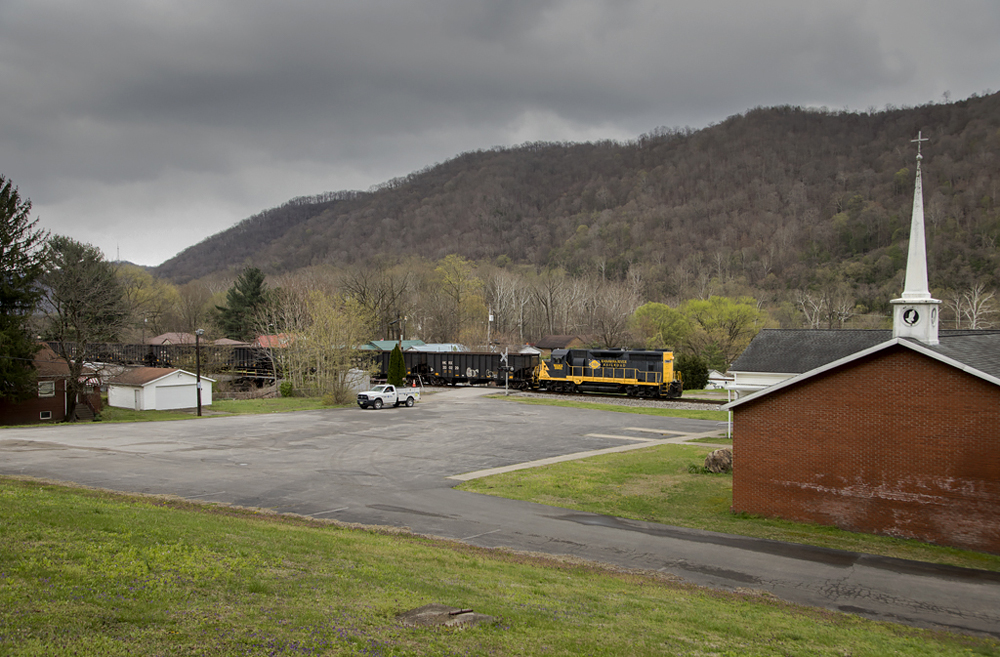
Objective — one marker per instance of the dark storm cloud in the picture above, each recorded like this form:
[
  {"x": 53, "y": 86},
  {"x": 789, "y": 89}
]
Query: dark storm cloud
[{"x": 184, "y": 117}]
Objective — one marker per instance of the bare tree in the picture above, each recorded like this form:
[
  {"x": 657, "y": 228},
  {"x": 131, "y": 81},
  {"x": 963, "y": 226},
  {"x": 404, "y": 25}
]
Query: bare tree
[
  {"x": 613, "y": 306},
  {"x": 974, "y": 307},
  {"x": 86, "y": 304},
  {"x": 548, "y": 290},
  {"x": 813, "y": 307},
  {"x": 194, "y": 305},
  {"x": 319, "y": 339},
  {"x": 386, "y": 295}
]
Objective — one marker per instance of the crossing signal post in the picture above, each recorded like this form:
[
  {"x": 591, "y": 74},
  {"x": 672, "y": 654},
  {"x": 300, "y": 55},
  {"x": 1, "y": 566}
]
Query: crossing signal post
[{"x": 506, "y": 373}]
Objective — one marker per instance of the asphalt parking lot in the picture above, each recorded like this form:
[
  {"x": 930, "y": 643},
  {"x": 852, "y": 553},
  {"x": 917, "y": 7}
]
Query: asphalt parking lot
[{"x": 396, "y": 466}]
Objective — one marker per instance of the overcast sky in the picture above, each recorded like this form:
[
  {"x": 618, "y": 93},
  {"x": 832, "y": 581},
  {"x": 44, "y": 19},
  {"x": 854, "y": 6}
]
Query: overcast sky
[{"x": 144, "y": 126}]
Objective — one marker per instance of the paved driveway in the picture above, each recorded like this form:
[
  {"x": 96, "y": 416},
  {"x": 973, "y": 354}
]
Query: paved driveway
[{"x": 393, "y": 467}]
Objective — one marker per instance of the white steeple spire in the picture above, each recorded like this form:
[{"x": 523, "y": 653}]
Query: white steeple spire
[{"x": 915, "y": 314}]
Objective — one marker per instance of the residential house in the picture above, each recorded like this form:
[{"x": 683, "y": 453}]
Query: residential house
[{"x": 51, "y": 400}]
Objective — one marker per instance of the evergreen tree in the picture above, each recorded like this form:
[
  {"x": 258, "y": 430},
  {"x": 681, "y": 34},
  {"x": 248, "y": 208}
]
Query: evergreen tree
[
  {"x": 22, "y": 261},
  {"x": 693, "y": 369},
  {"x": 244, "y": 301},
  {"x": 397, "y": 367}
]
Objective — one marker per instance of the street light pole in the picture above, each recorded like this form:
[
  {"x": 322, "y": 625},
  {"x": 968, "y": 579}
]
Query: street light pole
[{"x": 197, "y": 361}]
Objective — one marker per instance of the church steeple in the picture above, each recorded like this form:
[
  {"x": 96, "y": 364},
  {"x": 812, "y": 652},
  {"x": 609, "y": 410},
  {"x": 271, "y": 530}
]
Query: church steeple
[{"x": 915, "y": 314}]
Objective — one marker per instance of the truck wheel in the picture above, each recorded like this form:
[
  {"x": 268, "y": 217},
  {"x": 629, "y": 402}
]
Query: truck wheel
[
  {"x": 409, "y": 402},
  {"x": 377, "y": 404}
]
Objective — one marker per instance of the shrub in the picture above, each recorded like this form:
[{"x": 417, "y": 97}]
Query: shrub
[{"x": 694, "y": 371}]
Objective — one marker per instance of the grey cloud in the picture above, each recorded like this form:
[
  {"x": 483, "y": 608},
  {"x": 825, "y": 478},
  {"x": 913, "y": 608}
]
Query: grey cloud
[{"x": 117, "y": 100}]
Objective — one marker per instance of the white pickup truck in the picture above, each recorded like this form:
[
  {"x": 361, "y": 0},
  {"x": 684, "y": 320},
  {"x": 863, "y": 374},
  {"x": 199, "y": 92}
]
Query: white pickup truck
[{"x": 384, "y": 395}]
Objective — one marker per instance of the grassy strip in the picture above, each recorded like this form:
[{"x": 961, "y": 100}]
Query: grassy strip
[
  {"x": 275, "y": 405},
  {"x": 218, "y": 407},
  {"x": 657, "y": 485},
  {"x": 722, "y": 440},
  {"x": 619, "y": 408},
  {"x": 95, "y": 573}
]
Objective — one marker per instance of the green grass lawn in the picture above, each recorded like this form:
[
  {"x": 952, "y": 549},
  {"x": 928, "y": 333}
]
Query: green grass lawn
[
  {"x": 721, "y": 416},
  {"x": 218, "y": 407},
  {"x": 95, "y": 573},
  {"x": 656, "y": 484}
]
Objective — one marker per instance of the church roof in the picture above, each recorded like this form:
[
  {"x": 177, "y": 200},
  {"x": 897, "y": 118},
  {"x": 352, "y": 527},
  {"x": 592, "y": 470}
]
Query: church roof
[
  {"x": 977, "y": 350},
  {"x": 974, "y": 352},
  {"x": 793, "y": 351}
]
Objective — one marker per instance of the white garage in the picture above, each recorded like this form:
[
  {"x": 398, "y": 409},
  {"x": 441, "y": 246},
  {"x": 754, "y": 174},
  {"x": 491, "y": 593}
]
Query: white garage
[{"x": 158, "y": 389}]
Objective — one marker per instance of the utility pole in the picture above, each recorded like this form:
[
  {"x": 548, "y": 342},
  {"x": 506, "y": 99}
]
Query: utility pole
[{"x": 197, "y": 361}]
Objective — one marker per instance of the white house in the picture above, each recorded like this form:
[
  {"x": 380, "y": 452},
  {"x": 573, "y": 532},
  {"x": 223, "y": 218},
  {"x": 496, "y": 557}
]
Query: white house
[
  {"x": 717, "y": 379},
  {"x": 158, "y": 389}
]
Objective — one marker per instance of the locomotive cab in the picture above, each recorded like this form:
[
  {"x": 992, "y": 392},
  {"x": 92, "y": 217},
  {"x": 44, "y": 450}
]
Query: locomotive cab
[{"x": 636, "y": 373}]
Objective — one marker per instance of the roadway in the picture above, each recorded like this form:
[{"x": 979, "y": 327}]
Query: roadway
[{"x": 398, "y": 466}]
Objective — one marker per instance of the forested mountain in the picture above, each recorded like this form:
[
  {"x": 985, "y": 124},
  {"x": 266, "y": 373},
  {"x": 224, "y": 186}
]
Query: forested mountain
[{"x": 781, "y": 198}]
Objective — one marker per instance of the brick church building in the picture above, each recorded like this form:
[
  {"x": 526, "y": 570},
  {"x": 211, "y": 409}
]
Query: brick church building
[{"x": 886, "y": 432}]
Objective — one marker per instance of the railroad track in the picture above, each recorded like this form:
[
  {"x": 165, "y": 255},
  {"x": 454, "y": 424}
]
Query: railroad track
[{"x": 621, "y": 397}]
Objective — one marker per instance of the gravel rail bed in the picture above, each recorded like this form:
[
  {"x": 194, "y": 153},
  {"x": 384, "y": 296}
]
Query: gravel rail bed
[{"x": 625, "y": 401}]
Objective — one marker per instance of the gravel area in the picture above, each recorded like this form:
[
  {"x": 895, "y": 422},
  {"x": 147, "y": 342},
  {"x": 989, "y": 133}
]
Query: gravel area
[{"x": 628, "y": 401}]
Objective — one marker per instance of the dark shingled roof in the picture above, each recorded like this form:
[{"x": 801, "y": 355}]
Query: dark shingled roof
[
  {"x": 980, "y": 351},
  {"x": 794, "y": 351}
]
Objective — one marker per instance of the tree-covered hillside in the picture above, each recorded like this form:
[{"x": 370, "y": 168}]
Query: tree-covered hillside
[{"x": 784, "y": 200}]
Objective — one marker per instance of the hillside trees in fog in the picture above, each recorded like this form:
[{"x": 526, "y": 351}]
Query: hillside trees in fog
[{"x": 775, "y": 199}]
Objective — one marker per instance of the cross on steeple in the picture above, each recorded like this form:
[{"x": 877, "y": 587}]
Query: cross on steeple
[{"x": 919, "y": 139}]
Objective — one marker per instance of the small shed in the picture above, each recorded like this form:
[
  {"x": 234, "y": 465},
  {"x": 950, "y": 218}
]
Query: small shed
[{"x": 158, "y": 389}]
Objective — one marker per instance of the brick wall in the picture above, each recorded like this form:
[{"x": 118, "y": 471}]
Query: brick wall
[
  {"x": 896, "y": 443},
  {"x": 29, "y": 410}
]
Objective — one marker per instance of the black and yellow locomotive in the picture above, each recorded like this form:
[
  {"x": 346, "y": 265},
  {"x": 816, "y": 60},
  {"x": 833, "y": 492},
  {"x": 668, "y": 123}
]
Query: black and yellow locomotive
[{"x": 635, "y": 373}]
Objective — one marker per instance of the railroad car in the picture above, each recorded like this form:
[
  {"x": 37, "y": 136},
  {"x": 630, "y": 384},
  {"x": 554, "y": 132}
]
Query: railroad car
[
  {"x": 635, "y": 373},
  {"x": 471, "y": 368}
]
